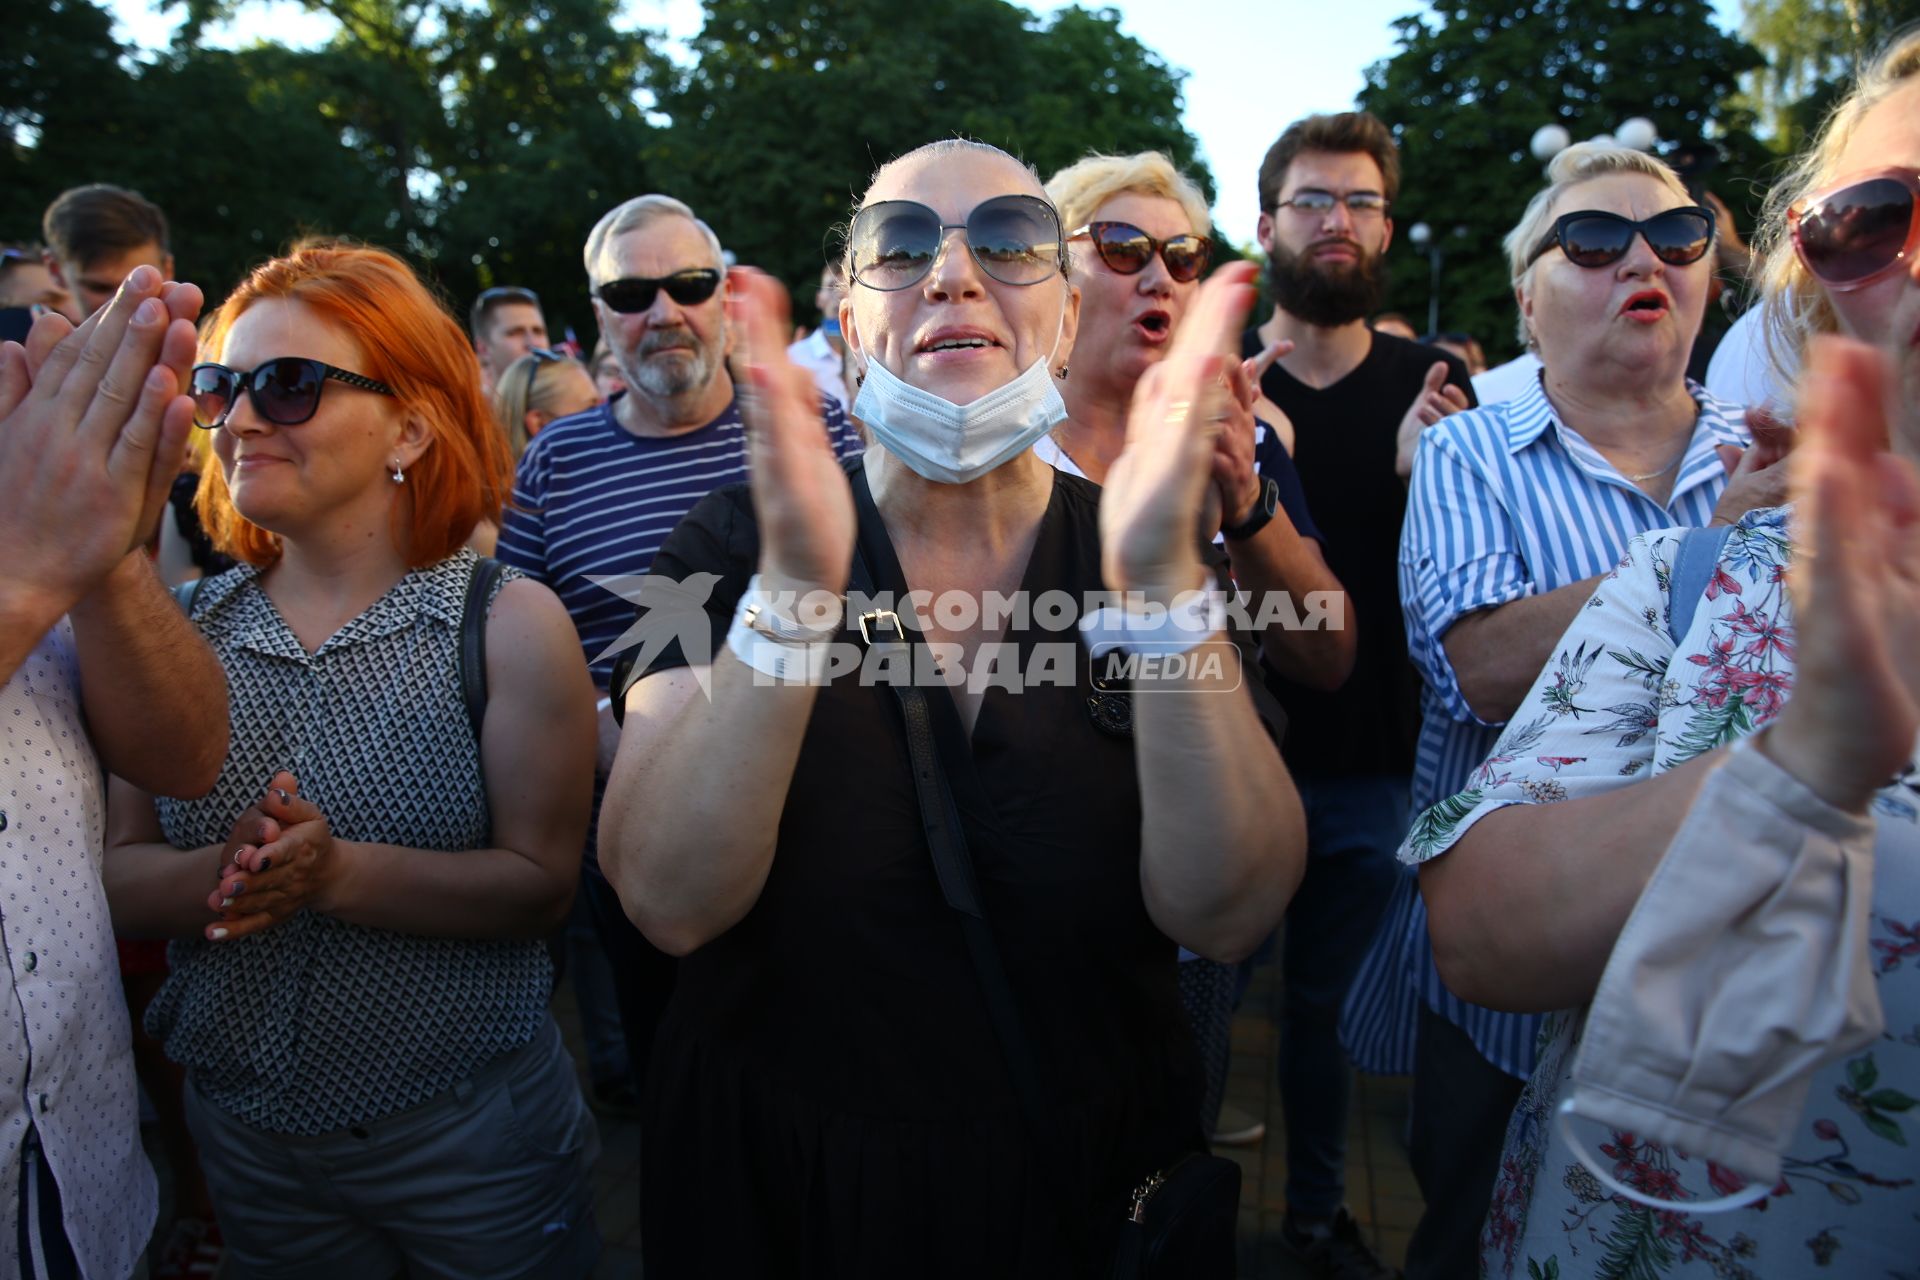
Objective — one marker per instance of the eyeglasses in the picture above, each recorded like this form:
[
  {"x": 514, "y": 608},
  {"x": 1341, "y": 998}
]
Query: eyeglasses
[
  {"x": 285, "y": 391},
  {"x": 1851, "y": 235},
  {"x": 1358, "y": 203},
  {"x": 537, "y": 356},
  {"x": 1592, "y": 238},
  {"x": 1127, "y": 250},
  {"x": 634, "y": 294},
  {"x": 1014, "y": 239}
]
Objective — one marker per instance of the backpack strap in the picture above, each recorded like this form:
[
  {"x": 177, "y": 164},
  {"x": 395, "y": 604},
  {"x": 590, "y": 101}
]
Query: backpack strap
[
  {"x": 473, "y": 639},
  {"x": 1693, "y": 568},
  {"x": 186, "y": 593}
]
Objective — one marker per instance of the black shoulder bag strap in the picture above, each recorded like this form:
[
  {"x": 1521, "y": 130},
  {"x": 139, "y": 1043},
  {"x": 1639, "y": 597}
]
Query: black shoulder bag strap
[
  {"x": 473, "y": 640},
  {"x": 946, "y": 839}
]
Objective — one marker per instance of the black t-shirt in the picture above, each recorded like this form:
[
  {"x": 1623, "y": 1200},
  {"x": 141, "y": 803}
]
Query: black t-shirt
[{"x": 1344, "y": 440}]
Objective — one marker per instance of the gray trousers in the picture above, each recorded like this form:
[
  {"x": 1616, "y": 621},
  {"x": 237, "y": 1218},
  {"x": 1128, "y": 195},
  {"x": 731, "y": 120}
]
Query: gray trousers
[{"x": 488, "y": 1181}]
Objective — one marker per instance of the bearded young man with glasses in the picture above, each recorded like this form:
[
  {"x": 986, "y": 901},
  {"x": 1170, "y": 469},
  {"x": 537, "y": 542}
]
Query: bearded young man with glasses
[
  {"x": 597, "y": 492},
  {"x": 1354, "y": 396}
]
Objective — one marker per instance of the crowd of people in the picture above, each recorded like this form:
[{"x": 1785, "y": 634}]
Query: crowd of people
[{"x": 907, "y": 735}]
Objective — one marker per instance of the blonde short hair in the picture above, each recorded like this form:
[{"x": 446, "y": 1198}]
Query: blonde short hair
[
  {"x": 635, "y": 214},
  {"x": 1582, "y": 162},
  {"x": 521, "y": 388},
  {"x": 1081, "y": 188},
  {"x": 1796, "y": 305}
]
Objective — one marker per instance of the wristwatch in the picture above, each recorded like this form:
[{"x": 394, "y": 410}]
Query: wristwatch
[{"x": 1264, "y": 507}]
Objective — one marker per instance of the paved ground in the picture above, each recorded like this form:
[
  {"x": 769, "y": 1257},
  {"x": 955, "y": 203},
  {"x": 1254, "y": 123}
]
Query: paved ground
[{"x": 1380, "y": 1188}]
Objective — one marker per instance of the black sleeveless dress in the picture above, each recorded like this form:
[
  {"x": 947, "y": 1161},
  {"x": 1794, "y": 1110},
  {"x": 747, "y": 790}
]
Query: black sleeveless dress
[{"x": 827, "y": 1097}]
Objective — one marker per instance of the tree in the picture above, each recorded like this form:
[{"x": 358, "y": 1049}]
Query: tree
[
  {"x": 497, "y": 133},
  {"x": 1472, "y": 81},
  {"x": 235, "y": 181},
  {"x": 1813, "y": 48},
  {"x": 789, "y": 105}
]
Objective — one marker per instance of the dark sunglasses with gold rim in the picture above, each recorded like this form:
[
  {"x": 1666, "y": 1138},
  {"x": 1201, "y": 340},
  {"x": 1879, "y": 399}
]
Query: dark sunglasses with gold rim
[
  {"x": 285, "y": 391},
  {"x": 1127, "y": 250}
]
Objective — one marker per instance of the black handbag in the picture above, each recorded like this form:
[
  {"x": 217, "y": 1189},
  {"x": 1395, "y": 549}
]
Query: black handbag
[{"x": 1180, "y": 1222}]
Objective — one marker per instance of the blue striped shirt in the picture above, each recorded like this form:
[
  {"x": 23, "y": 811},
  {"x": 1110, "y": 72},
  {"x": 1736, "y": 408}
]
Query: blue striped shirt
[
  {"x": 591, "y": 499},
  {"x": 1507, "y": 502}
]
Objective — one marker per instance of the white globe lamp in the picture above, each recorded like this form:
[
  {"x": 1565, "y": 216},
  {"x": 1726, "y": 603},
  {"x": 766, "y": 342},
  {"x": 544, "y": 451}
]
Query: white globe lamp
[
  {"x": 1549, "y": 140},
  {"x": 1638, "y": 133}
]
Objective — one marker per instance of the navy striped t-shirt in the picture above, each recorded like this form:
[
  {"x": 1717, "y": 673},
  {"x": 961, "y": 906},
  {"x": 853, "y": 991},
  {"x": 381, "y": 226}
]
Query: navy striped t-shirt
[{"x": 593, "y": 499}]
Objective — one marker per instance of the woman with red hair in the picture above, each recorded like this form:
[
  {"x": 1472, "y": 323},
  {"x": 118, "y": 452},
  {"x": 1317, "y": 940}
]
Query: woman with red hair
[{"x": 359, "y": 987}]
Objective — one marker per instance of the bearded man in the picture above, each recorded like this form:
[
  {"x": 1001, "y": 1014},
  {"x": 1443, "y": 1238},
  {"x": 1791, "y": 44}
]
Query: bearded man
[
  {"x": 598, "y": 491},
  {"x": 1358, "y": 400}
]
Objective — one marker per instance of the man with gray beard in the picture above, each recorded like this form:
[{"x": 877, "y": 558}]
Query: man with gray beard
[{"x": 598, "y": 491}]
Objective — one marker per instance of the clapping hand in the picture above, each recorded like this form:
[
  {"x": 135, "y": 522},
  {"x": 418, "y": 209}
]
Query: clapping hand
[
  {"x": 293, "y": 865},
  {"x": 1855, "y": 711},
  {"x": 93, "y": 427},
  {"x": 1754, "y": 477},
  {"x": 1236, "y": 482},
  {"x": 800, "y": 497},
  {"x": 1436, "y": 400},
  {"x": 1156, "y": 489}
]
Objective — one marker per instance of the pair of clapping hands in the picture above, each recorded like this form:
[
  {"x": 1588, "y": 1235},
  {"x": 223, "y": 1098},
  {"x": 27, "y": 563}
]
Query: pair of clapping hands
[
  {"x": 278, "y": 859},
  {"x": 93, "y": 427}
]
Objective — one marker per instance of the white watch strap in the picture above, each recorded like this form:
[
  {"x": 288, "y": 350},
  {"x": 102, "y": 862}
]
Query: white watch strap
[{"x": 1188, "y": 621}]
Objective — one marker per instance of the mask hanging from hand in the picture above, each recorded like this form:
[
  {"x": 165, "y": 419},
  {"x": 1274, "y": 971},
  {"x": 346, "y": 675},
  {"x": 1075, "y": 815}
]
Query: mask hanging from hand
[{"x": 1742, "y": 971}]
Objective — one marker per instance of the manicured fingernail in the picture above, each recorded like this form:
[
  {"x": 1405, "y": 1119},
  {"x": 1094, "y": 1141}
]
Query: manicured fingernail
[
  {"x": 148, "y": 312},
  {"x": 226, "y": 902},
  {"x": 237, "y": 888},
  {"x": 265, "y": 863},
  {"x": 216, "y": 934},
  {"x": 284, "y": 797},
  {"x": 263, "y": 831}
]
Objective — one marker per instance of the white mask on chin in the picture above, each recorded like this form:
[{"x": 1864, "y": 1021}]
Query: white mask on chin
[{"x": 953, "y": 443}]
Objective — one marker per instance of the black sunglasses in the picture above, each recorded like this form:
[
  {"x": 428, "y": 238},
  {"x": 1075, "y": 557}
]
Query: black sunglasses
[
  {"x": 285, "y": 391},
  {"x": 537, "y": 356},
  {"x": 507, "y": 292},
  {"x": 1015, "y": 240},
  {"x": 1592, "y": 238},
  {"x": 1852, "y": 234},
  {"x": 634, "y": 294},
  {"x": 1127, "y": 250}
]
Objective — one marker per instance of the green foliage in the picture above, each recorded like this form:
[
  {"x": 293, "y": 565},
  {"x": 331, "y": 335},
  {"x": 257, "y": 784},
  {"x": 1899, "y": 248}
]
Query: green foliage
[
  {"x": 1473, "y": 79},
  {"x": 1812, "y": 48},
  {"x": 484, "y": 138},
  {"x": 789, "y": 106},
  {"x": 482, "y": 142}
]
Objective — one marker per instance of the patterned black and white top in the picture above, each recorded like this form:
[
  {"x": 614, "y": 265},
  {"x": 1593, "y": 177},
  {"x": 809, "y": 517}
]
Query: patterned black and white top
[{"x": 315, "y": 1024}]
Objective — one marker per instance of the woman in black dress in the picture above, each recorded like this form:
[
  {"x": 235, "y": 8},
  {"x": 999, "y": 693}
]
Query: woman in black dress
[{"x": 831, "y": 1098}]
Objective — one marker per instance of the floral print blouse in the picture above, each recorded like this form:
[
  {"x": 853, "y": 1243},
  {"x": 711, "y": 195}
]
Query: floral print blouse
[{"x": 1621, "y": 701}]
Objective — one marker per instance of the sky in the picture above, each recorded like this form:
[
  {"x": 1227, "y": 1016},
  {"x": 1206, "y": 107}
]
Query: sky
[{"x": 1297, "y": 57}]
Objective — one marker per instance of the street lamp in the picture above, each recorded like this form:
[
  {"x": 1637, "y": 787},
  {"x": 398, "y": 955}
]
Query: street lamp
[{"x": 1422, "y": 237}]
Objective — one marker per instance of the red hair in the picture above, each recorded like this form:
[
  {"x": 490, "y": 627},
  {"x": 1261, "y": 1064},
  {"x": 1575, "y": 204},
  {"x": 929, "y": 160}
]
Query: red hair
[{"x": 414, "y": 346}]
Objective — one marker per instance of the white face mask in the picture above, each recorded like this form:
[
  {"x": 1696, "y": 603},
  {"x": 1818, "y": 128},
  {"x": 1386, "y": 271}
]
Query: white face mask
[
  {"x": 953, "y": 443},
  {"x": 1743, "y": 970}
]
